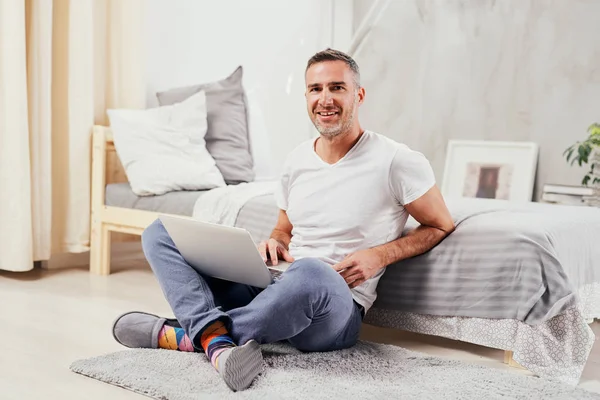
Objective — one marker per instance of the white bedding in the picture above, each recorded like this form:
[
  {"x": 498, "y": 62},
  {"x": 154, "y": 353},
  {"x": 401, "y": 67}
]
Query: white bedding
[
  {"x": 573, "y": 231},
  {"x": 222, "y": 205}
]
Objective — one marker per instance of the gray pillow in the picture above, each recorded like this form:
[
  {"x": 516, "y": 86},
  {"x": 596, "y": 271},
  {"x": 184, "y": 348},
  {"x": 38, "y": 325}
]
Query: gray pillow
[{"x": 227, "y": 137}]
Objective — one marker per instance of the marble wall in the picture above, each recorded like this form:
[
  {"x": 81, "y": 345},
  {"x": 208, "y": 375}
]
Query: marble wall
[{"x": 515, "y": 70}]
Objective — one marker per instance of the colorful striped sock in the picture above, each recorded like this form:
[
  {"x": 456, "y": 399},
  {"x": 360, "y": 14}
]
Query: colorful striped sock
[
  {"x": 173, "y": 338},
  {"x": 215, "y": 340}
]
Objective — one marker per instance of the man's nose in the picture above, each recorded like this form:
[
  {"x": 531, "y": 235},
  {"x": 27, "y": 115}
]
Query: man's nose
[{"x": 326, "y": 98}]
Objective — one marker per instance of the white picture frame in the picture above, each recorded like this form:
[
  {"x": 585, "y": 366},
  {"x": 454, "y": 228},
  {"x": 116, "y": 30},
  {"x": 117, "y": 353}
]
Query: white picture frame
[{"x": 490, "y": 169}]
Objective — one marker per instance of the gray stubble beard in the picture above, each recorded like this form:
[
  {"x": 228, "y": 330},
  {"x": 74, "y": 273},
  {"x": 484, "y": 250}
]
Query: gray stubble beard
[{"x": 336, "y": 130}]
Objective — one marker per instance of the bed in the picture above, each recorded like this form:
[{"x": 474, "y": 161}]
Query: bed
[{"x": 530, "y": 284}]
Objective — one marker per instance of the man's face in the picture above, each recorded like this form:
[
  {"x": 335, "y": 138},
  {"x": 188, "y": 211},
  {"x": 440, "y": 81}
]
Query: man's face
[{"x": 332, "y": 97}]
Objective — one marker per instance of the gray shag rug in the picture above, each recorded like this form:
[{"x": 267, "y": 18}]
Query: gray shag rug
[{"x": 366, "y": 370}]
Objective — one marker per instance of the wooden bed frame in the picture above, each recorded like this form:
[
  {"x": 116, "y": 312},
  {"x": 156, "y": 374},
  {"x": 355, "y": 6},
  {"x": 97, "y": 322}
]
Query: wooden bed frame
[{"x": 106, "y": 168}]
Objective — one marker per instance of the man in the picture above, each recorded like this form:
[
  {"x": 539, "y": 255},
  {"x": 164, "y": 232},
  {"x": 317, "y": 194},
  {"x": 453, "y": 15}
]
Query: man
[{"x": 344, "y": 199}]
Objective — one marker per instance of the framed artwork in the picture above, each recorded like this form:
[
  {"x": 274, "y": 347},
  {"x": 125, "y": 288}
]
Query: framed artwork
[{"x": 490, "y": 170}]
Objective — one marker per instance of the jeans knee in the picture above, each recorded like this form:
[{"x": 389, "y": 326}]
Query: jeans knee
[
  {"x": 312, "y": 274},
  {"x": 313, "y": 267}
]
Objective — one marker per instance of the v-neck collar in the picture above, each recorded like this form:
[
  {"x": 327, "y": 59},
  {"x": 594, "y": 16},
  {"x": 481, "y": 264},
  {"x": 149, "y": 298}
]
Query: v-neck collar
[{"x": 352, "y": 150}]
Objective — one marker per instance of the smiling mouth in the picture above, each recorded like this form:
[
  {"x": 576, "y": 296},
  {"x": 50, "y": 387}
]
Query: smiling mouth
[{"x": 327, "y": 114}]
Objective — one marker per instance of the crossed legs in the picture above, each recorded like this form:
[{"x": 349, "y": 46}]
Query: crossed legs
[{"x": 310, "y": 305}]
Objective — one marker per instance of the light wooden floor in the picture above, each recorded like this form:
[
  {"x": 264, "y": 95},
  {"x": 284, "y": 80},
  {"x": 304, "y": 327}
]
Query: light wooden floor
[{"x": 50, "y": 318}]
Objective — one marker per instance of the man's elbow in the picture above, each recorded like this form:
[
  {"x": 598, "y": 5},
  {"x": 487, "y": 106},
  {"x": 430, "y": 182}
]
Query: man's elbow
[{"x": 447, "y": 227}]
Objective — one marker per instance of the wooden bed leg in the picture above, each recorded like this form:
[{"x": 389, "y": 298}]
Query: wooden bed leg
[
  {"x": 508, "y": 359},
  {"x": 100, "y": 249},
  {"x": 99, "y": 233}
]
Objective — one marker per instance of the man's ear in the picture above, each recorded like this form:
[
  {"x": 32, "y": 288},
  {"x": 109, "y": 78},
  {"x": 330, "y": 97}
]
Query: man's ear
[{"x": 361, "y": 95}]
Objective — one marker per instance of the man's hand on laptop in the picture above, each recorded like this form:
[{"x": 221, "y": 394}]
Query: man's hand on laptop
[{"x": 273, "y": 250}]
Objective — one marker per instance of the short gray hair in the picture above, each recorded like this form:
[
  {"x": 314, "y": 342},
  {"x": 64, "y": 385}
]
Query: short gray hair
[{"x": 336, "y": 55}]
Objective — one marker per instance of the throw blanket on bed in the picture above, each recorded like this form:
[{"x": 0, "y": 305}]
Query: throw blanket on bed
[
  {"x": 222, "y": 205},
  {"x": 505, "y": 260}
]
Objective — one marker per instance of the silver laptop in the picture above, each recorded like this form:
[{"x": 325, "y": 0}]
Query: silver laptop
[{"x": 221, "y": 251}]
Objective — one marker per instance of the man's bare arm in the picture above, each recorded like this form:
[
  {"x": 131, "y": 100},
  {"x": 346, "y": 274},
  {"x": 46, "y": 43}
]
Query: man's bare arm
[
  {"x": 436, "y": 223},
  {"x": 283, "y": 229}
]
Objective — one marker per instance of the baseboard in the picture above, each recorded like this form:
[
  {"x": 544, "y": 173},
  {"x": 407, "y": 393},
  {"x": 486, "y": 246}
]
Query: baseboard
[{"x": 67, "y": 260}]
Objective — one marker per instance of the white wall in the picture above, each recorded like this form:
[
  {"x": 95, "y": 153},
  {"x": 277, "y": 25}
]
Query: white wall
[
  {"x": 360, "y": 9},
  {"x": 516, "y": 70},
  {"x": 195, "y": 41}
]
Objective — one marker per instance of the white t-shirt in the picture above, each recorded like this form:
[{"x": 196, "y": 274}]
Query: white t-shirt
[{"x": 354, "y": 204}]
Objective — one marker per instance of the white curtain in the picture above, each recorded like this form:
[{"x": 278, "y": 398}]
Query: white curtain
[{"x": 62, "y": 64}]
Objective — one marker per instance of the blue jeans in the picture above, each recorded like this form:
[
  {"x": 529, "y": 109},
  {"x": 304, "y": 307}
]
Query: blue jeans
[{"x": 310, "y": 305}]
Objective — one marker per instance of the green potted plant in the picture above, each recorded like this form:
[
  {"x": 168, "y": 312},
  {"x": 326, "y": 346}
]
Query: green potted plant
[{"x": 586, "y": 152}]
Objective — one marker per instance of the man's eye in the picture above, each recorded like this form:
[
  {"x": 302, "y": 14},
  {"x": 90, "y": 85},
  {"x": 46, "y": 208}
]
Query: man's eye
[
  {"x": 314, "y": 89},
  {"x": 338, "y": 87}
]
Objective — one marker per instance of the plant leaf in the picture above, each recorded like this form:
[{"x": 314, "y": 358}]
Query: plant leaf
[
  {"x": 594, "y": 129},
  {"x": 585, "y": 180},
  {"x": 571, "y": 150},
  {"x": 584, "y": 151}
]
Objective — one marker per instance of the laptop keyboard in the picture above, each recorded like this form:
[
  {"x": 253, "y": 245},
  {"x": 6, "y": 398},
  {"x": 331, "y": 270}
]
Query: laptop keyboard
[
  {"x": 277, "y": 270},
  {"x": 275, "y": 274}
]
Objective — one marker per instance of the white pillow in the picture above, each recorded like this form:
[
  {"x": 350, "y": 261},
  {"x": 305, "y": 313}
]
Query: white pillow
[
  {"x": 163, "y": 149},
  {"x": 260, "y": 144}
]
